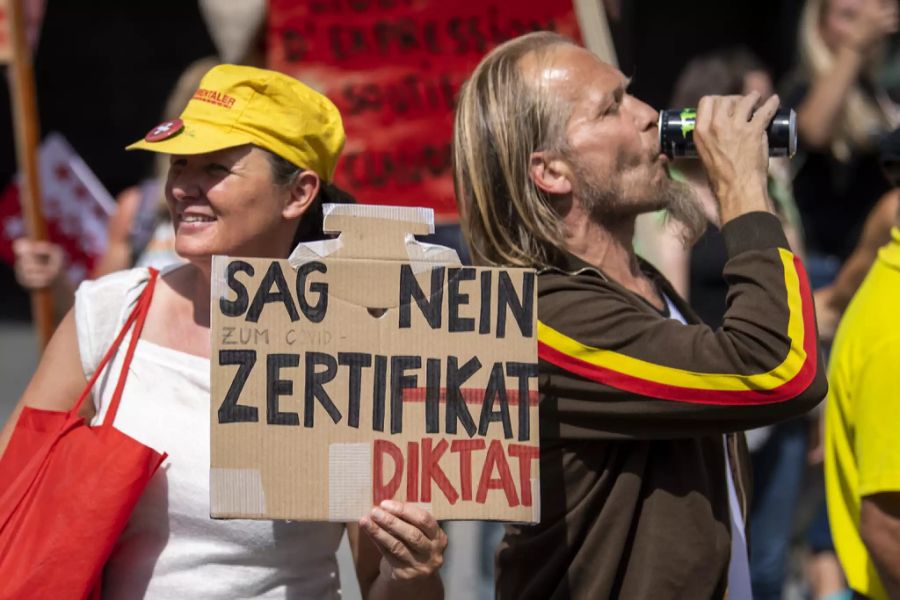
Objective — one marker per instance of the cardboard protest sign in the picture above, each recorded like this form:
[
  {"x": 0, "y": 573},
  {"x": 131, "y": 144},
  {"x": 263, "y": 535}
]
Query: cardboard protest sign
[
  {"x": 371, "y": 366},
  {"x": 394, "y": 69}
]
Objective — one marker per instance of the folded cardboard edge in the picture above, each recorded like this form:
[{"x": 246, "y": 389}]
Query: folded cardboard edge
[{"x": 420, "y": 255}]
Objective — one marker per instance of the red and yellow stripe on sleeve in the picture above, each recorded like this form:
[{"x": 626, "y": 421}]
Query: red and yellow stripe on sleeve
[{"x": 785, "y": 381}]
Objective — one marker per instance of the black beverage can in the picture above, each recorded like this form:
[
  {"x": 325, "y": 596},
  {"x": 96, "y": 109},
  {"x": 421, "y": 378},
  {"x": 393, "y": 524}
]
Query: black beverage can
[{"x": 676, "y": 132}]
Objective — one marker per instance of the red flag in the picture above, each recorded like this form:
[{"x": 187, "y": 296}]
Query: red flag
[{"x": 76, "y": 207}]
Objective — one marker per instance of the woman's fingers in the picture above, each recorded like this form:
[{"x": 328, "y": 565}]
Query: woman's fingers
[
  {"x": 394, "y": 550},
  {"x": 408, "y": 537},
  {"x": 414, "y": 515},
  {"x": 411, "y": 536}
]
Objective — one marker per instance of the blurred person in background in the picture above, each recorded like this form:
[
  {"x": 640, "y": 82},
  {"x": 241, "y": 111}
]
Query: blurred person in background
[
  {"x": 841, "y": 114},
  {"x": 832, "y": 300},
  {"x": 778, "y": 452},
  {"x": 139, "y": 232},
  {"x": 862, "y": 459}
]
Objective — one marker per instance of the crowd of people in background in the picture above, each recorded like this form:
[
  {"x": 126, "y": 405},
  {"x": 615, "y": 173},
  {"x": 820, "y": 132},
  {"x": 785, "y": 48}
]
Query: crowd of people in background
[{"x": 824, "y": 517}]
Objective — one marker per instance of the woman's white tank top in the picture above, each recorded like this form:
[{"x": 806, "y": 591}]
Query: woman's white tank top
[{"x": 170, "y": 547}]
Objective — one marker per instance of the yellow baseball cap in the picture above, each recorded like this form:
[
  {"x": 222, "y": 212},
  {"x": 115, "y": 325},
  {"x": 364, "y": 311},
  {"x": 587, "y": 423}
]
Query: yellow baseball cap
[{"x": 238, "y": 105}]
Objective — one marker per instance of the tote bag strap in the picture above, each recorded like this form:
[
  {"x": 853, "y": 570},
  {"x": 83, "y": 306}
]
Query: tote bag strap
[
  {"x": 137, "y": 315},
  {"x": 138, "y": 327}
]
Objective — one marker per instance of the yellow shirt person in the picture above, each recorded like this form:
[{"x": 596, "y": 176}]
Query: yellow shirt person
[{"x": 863, "y": 414}]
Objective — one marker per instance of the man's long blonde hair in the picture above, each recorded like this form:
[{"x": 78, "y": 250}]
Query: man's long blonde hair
[
  {"x": 861, "y": 115},
  {"x": 501, "y": 119}
]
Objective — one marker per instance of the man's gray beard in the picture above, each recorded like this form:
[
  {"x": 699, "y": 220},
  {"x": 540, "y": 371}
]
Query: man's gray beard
[
  {"x": 677, "y": 198},
  {"x": 683, "y": 206}
]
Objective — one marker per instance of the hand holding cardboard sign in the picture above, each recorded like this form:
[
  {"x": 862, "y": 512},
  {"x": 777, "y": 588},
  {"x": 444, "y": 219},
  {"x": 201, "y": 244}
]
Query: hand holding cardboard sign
[{"x": 411, "y": 542}]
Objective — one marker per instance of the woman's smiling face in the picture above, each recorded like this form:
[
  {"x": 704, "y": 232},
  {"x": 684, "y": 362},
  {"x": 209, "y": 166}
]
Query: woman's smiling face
[{"x": 226, "y": 202}]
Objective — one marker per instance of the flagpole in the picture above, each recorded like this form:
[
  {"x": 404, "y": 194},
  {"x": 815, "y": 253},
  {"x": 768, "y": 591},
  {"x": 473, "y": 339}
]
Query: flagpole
[{"x": 25, "y": 121}]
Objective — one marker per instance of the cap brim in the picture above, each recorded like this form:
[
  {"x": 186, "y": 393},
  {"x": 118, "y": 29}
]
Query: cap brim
[{"x": 196, "y": 137}]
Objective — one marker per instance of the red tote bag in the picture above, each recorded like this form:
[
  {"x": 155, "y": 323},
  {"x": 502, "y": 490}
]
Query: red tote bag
[{"x": 67, "y": 490}]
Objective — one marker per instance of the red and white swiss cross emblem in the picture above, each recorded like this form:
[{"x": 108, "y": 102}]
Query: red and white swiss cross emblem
[{"x": 164, "y": 130}]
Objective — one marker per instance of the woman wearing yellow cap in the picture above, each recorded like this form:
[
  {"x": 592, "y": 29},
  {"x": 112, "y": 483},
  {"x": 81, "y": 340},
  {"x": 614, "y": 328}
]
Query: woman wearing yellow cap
[{"x": 251, "y": 158}]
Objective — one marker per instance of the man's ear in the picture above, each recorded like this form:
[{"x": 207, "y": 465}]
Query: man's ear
[
  {"x": 550, "y": 174},
  {"x": 303, "y": 191}
]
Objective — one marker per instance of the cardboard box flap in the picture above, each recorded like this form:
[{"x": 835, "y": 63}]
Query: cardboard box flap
[{"x": 368, "y": 232}]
